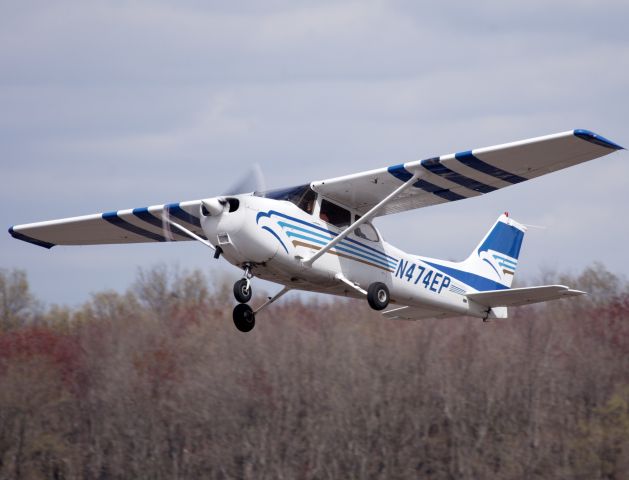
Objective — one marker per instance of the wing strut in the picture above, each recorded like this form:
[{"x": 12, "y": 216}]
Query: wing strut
[
  {"x": 365, "y": 218},
  {"x": 272, "y": 299},
  {"x": 192, "y": 235},
  {"x": 355, "y": 286}
]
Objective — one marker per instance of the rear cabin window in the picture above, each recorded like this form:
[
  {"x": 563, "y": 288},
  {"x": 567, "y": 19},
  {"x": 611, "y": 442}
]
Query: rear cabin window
[
  {"x": 303, "y": 196},
  {"x": 366, "y": 231},
  {"x": 337, "y": 216}
]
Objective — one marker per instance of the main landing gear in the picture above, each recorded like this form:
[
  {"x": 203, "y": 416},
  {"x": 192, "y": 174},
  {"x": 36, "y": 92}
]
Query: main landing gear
[{"x": 378, "y": 296}]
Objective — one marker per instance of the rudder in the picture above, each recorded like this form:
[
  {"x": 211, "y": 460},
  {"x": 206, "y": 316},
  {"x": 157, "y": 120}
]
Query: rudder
[{"x": 496, "y": 256}]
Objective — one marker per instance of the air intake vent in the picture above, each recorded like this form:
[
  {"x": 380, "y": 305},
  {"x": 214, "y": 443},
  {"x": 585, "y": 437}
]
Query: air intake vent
[
  {"x": 223, "y": 238},
  {"x": 234, "y": 203}
]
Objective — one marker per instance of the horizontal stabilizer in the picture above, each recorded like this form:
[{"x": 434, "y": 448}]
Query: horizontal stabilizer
[
  {"x": 515, "y": 297},
  {"x": 415, "y": 313}
]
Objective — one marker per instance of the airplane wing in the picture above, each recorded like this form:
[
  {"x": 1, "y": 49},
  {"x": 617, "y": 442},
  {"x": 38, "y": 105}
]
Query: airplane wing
[
  {"x": 465, "y": 174},
  {"x": 516, "y": 297},
  {"x": 440, "y": 179},
  {"x": 124, "y": 226}
]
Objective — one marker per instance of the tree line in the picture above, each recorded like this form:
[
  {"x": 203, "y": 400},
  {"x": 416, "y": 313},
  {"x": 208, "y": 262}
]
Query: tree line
[{"x": 155, "y": 382}]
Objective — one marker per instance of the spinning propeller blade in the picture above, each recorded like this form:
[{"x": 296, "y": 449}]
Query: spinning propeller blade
[
  {"x": 252, "y": 181},
  {"x": 168, "y": 234}
]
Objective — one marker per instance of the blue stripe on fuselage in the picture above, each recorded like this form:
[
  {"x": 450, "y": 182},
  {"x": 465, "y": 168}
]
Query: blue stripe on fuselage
[
  {"x": 477, "y": 282},
  {"x": 270, "y": 230},
  {"x": 321, "y": 229},
  {"x": 340, "y": 249},
  {"x": 327, "y": 238}
]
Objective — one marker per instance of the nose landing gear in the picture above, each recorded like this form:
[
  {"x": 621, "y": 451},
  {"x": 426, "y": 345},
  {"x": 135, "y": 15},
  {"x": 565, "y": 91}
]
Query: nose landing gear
[
  {"x": 242, "y": 288},
  {"x": 244, "y": 316}
]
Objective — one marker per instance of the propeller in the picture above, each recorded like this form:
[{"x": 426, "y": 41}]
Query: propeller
[{"x": 252, "y": 181}]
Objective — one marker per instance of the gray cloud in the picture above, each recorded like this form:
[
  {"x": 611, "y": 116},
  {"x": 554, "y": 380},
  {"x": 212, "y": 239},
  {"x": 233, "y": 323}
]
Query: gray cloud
[{"x": 115, "y": 105}]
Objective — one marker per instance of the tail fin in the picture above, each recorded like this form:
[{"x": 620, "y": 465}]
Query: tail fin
[{"x": 496, "y": 256}]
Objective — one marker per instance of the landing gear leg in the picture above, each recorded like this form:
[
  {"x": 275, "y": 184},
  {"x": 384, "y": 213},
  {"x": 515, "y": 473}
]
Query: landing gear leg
[
  {"x": 242, "y": 288},
  {"x": 272, "y": 299}
]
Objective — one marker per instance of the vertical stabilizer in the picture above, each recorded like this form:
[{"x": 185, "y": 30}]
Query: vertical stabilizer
[{"x": 496, "y": 256}]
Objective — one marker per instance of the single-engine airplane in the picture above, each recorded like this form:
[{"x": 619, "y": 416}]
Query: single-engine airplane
[{"x": 319, "y": 236}]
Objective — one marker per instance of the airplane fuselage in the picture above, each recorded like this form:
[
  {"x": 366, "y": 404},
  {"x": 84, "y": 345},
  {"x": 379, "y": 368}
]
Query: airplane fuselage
[{"x": 276, "y": 237}]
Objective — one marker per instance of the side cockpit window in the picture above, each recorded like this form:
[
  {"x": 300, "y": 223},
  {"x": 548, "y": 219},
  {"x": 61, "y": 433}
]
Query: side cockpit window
[
  {"x": 337, "y": 216},
  {"x": 303, "y": 196},
  {"x": 307, "y": 200}
]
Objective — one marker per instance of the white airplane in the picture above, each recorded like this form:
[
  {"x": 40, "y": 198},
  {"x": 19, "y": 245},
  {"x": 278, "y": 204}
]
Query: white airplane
[{"x": 319, "y": 236}]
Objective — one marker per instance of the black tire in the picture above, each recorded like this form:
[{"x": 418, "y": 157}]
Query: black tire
[
  {"x": 378, "y": 296},
  {"x": 244, "y": 318},
  {"x": 241, "y": 292}
]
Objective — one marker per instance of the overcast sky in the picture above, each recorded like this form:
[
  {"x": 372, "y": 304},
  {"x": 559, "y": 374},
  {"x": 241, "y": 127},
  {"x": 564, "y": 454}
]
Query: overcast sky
[{"x": 121, "y": 104}]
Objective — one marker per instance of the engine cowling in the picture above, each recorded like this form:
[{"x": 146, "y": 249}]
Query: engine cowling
[{"x": 235, "y": 229}]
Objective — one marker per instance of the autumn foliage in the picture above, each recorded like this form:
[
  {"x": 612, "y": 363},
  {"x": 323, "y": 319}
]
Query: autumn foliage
[{"x": 157, "y": 383}]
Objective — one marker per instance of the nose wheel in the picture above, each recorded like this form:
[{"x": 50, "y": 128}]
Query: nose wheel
[{"x": 242, "y": 290}]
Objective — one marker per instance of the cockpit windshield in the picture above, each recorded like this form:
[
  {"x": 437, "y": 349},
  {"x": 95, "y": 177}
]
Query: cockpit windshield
[{"x": 303, "y": 196}]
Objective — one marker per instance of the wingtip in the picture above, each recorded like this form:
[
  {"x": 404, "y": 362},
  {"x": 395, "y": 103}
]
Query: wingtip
[
  {"x": 596, "y": 139},
  {"x": 13, "y": 233},
  {"x": 576, "y": 292},
  {"x": 571, "y": 292},
  {"x": 25, "y": 238}
]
